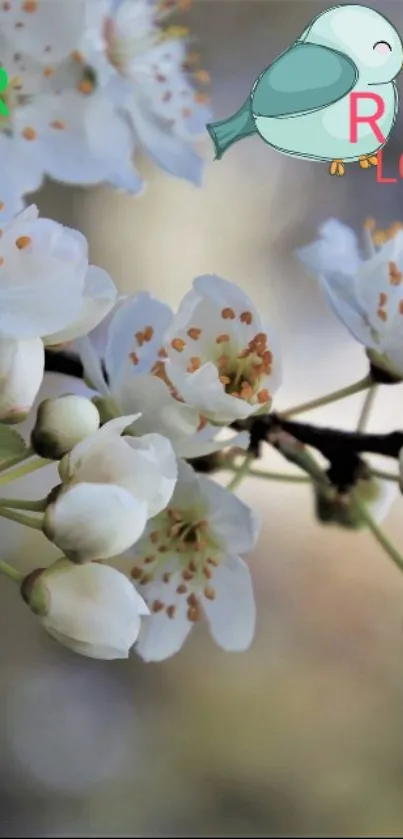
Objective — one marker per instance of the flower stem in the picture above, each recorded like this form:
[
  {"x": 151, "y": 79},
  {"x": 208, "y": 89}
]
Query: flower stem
[
  {"x": 10, "y": 572},
  {"x": 272, "y": 476},
  {"x": 366, "y": 408},
  {"x": 24, "y": 469},
  {"x": 241, "y": 473},
  {"x": 379, "y": 534},
  {"x": 350, "y": 390},
  {"x": 27, "y": 521},
  {"x": 21, "y": 504},
  {"x": 13, "y": 461}
]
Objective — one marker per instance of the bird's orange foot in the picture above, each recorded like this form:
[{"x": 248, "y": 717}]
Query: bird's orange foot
[
  {"x": 368, "y": 160},
  {"x": 336, "y": 168}
]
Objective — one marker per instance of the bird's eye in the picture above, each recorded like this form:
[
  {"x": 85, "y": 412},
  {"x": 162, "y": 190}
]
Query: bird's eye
[{"x": 382, "y": 47}]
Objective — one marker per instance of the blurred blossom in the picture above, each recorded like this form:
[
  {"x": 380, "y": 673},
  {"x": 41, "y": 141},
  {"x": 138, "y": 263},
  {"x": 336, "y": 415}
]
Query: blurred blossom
[{"x": 63, "y": 732}]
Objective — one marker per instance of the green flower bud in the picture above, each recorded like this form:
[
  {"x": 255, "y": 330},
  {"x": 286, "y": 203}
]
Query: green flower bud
[
  {"x": 62, "y": 423},
  {"x": 335, "y": 507},
  {"x": 383, "y": 371},
  {"x": 34, "y": 592}
]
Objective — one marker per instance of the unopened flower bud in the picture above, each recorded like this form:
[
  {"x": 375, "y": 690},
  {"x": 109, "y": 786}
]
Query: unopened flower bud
[
  {"x": 383, "y": 371},
  {"x": 340, "y": 508},
  {"x": 62, "y": 423},
  {"x": 34, "y": 592},
  {"x": 92, "y": 609}
]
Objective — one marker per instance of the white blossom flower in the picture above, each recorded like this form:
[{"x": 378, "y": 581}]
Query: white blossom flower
[
  {"x": 365, "y": 293},
  {"x": 221, "y": 357},
  {"x": 111, "y": 486},
  {"x": 133, "y": 355},
  {"x": 47, "y": 290},
  {"x": 21, "y": 372},
  {"x": 188, "y": 564},
  {"x": 62, "y": 423},
  {"x": 59, "y": 122},
  {"x": 143, "y": 69},
  {"x": 92, "y": 608}
]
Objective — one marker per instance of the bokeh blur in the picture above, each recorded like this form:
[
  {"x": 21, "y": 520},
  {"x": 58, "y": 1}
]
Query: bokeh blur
[{"x": 302, "y": 735}]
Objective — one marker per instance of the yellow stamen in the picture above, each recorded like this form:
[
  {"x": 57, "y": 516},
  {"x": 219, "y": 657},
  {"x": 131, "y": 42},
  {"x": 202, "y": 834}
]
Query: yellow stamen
[{"x": 23, "y": 242}]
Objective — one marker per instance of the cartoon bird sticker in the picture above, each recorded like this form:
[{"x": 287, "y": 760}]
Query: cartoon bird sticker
[{"x": 301, "y": 104}]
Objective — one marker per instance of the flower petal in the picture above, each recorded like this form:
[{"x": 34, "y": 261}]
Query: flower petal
[
  {"x": 95, "y": 521},
  {"x": 196, "y": 446},
  {"x": 335, "y": 251},
  {"x": 144, "y": 316},
  {"x": 41, "y": 284},
  {"x": 161, "y": 636},
  {"x": 87, "y": 454},
  {"x": 160, "y": 412},
  {"x": 45, "y": 31},
  {"x": 155, "y": 477},
  {"x": 21, "y": 373},
  {"x": 234, "y": 522},
  {"x": 99, "y": 297},
  {"x": 232, "y": 615},
  {"x": 91, "y": 143},
  {"x": 91, "y": 362},
  {"x": 172, "y": 154},
  {"x": 204, "y": 391},
  {"x": 94, "y": 609}
]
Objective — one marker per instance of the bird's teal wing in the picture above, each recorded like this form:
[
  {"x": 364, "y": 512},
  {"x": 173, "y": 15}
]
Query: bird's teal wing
[{"x": 303, "y": 79}]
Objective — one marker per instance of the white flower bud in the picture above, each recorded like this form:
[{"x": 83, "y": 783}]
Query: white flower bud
[
  {"x": 62, "y": 423},
  {"x": 92, "y": 609}
]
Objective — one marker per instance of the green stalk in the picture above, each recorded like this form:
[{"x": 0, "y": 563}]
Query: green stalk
[
  {"x": 24, "y": 469},
  {"x": 350, "y": 390},
  {"x": 380, "y": 535},
  {"x": 27, "y": 521},
  {"x": 10, "y": 572}
]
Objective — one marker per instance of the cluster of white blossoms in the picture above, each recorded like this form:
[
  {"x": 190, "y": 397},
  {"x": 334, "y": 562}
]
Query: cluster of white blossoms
[
  {"x": 162, "y": 386},
  {"x": 90, "y": 83},
  {"x": 363, "y": 286}
]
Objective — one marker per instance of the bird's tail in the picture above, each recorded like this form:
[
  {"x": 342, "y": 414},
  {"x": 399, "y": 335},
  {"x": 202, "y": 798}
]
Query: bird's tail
[{"x": 226, "y": 132}]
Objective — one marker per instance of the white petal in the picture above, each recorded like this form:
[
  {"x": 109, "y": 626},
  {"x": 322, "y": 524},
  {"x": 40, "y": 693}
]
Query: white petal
[
  {"x": 99, "y": 297},
  {"x": 156, "y": 474},
  {"x": 373, "y": 279},
  {"x": 188, "y": 491},
  {"x": 224, "y": 293},
  {"x": 336, "y": 251},
  {"x": 160, "y": 636},
  {"x": 233, "y": 521},
  {"x": 86, "y": 455},
  {"x": 95, "y": 521},
  {"x": 204, "y": 391},
  {"x": 20, "y": 174},
  {"x": 95, "y": 145},
  {"x": 171, "y": 153},
  {"x": 339, "y": 291},
  {"x": 232, "y": 615},
  {"x": 92, "y": 365},
  {"x": 196, "y": 446},
  {"x": 160, "y": 412},
  {"x": 133, "y": 316},
  {"x": 21, "y": 373},
  {"x": 48, "y": 31},
  {"x": 41, "y": 284},
  {"x": 335, "y": 260},
  {"x": 94, "y": 609}
]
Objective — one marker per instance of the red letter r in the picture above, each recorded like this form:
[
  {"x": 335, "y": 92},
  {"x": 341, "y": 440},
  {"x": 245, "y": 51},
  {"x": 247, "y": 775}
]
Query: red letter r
[{"x": 355, "y": 119}]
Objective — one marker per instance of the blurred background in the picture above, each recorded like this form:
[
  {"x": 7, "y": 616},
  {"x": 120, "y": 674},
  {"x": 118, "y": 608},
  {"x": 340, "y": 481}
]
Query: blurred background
[{"x": 302, "y": 735}]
